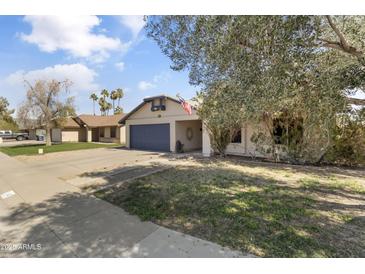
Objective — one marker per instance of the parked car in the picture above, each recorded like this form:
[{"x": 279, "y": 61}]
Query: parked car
[
  {"x": 8, "y": 134},
  {"x": 40, "y": 137}
]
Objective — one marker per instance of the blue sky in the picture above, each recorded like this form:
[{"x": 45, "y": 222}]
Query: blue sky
[{"x": 94, "y": 52}]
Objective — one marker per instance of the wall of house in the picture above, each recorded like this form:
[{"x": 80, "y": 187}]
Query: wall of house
[
  {"x": 173, "y": 113},
  {"x": 109, "y": 140},
  {"x": 238, "y": 148},
  {"x": 121, "y": 134},
  {"x": 207, "y": 148},
  {"x": 173, "y": 109},
  {"x": 195, "y": 142},
  {"x": 70, "y": 135},
  {"x": 83, "y": 134},
  {"x": 107, "y": 134},
  {"x": 56, "y": 135},
  {"x": 245, "y": 148}
]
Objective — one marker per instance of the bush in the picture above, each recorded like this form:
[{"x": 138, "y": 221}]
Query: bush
[{"x": 349, "y": 140}]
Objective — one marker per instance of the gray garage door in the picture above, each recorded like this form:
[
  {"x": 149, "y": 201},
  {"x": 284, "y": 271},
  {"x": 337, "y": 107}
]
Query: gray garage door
[{"x": 150, "y": 137}]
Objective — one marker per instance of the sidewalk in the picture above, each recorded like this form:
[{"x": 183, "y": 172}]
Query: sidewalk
[{"x": 67, "y": 223}]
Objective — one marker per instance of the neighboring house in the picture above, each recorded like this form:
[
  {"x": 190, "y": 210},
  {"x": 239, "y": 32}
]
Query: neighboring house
[
  {"x": 34, "y": 132},
  {"x": 102, "y": 128},
  {"x": 91, "y": 128},
  {"x": 160, "y": 121},
  {"x": 71, "y": 131}
]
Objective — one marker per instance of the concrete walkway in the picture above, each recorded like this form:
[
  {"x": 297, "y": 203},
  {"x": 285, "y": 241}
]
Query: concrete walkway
[{"x": 44, "y": 216}]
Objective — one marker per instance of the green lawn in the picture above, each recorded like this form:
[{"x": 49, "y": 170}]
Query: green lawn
[
  {"x": 33, "y": 149},
  {"x": 265, "y": 209}
]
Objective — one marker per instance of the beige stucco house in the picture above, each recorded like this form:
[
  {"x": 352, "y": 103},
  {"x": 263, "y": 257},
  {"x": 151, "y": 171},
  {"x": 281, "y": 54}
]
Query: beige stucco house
[
  {"x": 104, "y": 129},
  {"x": 159, "y": 122},
  {"x": 70, "y": 132},
  {"x": 91, "y": 128}
]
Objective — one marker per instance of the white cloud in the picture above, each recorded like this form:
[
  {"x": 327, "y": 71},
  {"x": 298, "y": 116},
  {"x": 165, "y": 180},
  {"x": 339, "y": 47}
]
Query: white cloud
[
  {"x": 74, "y": 34},
  {"x": 120, "y": 66},
  {"x": 144, "y": 85},
  {"x": 134, "y": 23},
  {"x": 83, "y": 78},
  {"x": 162, "y": 77}
]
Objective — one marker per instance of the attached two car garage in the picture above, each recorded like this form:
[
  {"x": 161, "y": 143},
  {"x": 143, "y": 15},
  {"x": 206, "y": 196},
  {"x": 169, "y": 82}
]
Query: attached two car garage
[
  {"x": 150, "y": 137},
  {"x": 159, "y": 122}
]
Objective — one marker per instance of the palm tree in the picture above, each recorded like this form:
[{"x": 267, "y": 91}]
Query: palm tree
[
  {"x": 108, "y": 107},
  {"x": 113, "y": 96},
  {"x": 105, "y": 93},
  {"x": 103, "y": 105},
  {"x": 118, "y": 110},
  {"x": 94, "y": 97},
  {"x": 120, "y": 95}
]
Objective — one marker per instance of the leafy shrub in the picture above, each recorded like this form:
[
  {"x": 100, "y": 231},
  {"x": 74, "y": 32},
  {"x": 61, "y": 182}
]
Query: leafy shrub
[{"x": 348, "y": 140}]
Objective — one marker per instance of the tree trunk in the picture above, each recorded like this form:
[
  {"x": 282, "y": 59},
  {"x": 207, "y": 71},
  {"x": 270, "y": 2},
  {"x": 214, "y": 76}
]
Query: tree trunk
[
  {"x": 94, "y": 107},
  {"x": 48, "y": 136}
]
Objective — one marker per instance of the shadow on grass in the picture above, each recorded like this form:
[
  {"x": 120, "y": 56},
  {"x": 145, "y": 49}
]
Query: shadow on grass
[
  {"x": 91, "y": 181},
  {"x": 249, "y": 212}
]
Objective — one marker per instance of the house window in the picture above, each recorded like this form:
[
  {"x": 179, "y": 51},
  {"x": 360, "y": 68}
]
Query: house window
[
  {"x": 237, "y": 138},
  {"x": 101, "y": 132},
  {"x": 158, "y": 104},
  {"x": 287, "y": 131},
  {"x": 113, "y": 132}
]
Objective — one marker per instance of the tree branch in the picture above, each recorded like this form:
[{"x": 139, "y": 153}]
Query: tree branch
[
  {"x": 342, "y": 45},
  {"x": 339, "y": 34}
]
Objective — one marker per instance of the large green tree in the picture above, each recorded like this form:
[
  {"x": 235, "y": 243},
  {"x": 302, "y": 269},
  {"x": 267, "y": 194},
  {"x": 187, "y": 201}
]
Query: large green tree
[
  {"x": 305, "y": 66},
  {"x": 6, "y": 120}
]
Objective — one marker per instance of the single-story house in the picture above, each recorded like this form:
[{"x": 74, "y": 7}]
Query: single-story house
[
  {"x": 104, "y": 129},
  {"x": 91, "y": 128},
  {"x": 159, "y": 122},
  {"x": 71, "y": 131}
]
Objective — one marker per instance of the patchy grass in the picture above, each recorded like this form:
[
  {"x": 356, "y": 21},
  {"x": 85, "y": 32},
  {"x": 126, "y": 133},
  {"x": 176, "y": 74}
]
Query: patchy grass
[
  {"x": 266, "y": 209},
  {"x": 33, "y": 149}
]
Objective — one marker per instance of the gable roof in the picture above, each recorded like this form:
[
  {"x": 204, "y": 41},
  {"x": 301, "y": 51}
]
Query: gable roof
[
  {"x": 100, "y": 121},
  {"x": 149, "y": 99},
  {"x": 71, "y": 123}
]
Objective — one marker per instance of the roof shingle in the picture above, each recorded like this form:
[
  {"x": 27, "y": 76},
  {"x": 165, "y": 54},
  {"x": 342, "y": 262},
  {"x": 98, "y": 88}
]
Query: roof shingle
[
  {"x": 100, "y": 121},
  {"x": 71, "y": 123}
]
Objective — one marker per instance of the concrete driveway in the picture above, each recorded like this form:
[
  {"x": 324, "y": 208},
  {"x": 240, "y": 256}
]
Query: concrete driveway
[
  {"x": 43, "y": 215},
  {"x": 68, "y": 164}
]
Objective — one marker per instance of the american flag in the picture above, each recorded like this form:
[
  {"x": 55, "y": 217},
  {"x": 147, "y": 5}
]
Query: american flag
[{"x": 185, "y": 105}]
